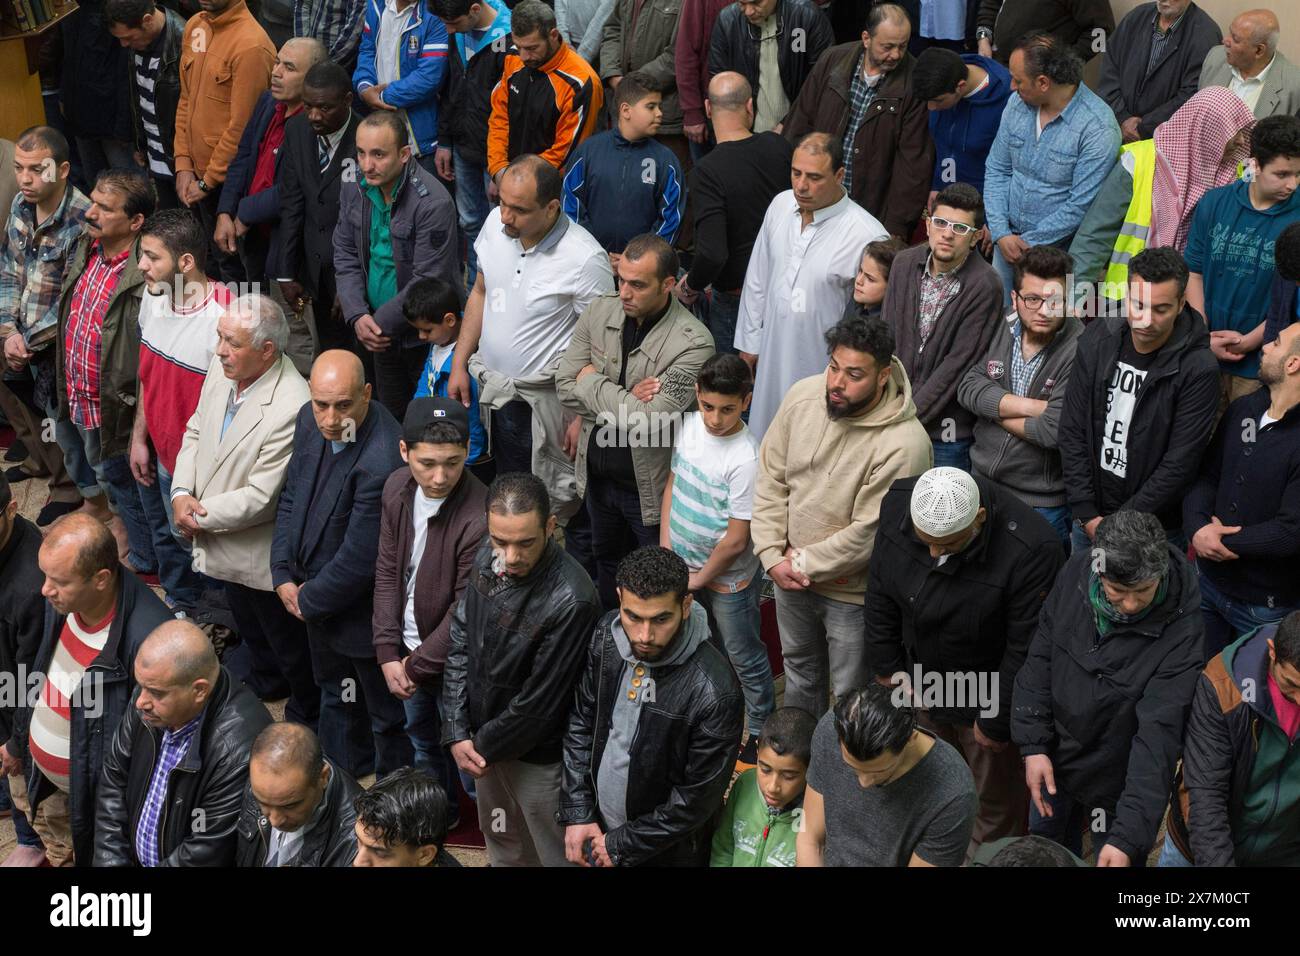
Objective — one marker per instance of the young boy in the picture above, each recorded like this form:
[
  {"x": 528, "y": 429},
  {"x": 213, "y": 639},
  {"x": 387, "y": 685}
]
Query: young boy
[
  {"x": 622, "y": 183},
  {"x": 760, "y": 819},
  {"x": 706, "y": 512},
  {"x": 432, "y": 308}
]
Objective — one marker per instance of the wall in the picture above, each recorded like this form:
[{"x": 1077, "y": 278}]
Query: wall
[{"x": 1223, "y": 12}]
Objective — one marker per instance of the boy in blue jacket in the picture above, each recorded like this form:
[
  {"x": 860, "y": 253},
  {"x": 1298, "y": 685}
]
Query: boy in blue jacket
[
  {"x": 433, "y": 309},
  {"x": 622, "y": 182},
  {"x": 966, "y": 94}
]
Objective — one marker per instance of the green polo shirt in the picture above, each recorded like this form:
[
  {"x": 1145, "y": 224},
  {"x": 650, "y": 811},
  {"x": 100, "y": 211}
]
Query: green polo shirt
[{"x": 381, "y": 279}]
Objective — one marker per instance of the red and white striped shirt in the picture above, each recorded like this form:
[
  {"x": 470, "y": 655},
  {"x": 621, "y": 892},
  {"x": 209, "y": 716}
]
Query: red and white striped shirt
[
  {"x": 90, "y": 299},
  {"x": 51, "y": 727}
]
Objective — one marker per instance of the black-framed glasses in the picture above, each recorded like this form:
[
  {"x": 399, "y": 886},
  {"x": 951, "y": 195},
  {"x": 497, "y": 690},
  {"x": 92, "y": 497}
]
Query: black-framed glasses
[
  {"x": 1036, "y": 302},
  {"x": 958, "y": 228}
]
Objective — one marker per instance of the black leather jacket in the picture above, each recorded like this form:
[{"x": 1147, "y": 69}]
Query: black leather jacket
[
  {"x": 517, "y": 647},
  {"x": 682, "y": 761},
  {"x": 166, "y": 88},
  {"x": 331, "y": 842},
  {"x": 734, "y": 44},
  {"x": 204, "y": 794}
]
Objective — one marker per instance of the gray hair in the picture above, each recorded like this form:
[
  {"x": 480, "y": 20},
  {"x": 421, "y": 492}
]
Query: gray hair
[
  {"x": 1132, "y": 548},
  {"x": 532, "y": 16},
  {"x": 267, "y": 324}
]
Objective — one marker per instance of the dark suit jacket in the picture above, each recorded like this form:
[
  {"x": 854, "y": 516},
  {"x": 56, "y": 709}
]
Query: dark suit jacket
[
  {"x": 327, "y": 538},
  {"x": 1124, "y": 83},
  {"x": 309, "y": 202},
  {"x": 264, "y": 207}
]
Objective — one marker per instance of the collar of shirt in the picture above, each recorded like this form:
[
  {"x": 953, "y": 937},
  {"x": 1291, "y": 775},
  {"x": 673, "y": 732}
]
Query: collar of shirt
[
  {"x": 377, "y": 195},
  {"x": 1257, "y": 78},
  {"x": 333, "y": 139},
  {"x": 174, "y": 738},
  {"x": 634, "y": 334},
  {"x": 237, "y": 397},
  {"x": 826, "y": 212},
  {"x": 861, "y": 72},
  {"x": 1155, "y": 25},
  {"x": 55, "y": 219},
  {"x": 949, "y": 276},
  {"x": 550, "y": 240},
  {"x": 97, "y": 248}
]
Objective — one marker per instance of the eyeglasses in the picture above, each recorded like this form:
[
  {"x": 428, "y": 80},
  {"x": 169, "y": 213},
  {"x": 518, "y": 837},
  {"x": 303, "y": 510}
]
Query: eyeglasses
[
  {"x": 1035, "y": 302},
  {"x": 958, "y": 228}
]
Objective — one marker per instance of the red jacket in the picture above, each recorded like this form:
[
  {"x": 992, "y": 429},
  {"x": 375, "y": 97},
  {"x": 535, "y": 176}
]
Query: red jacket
[{"x": 694, "y": 30}]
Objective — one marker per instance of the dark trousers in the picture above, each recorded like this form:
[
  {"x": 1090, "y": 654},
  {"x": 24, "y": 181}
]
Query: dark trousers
[
  {"x": 397, "y": 376},
  {"x": 512, "y": 437},
  {"x": 272, "y": 656},
  {"x": 223, "y": 266},
  {"x": 166, "y": 188},
  {"x": 616, "y": 530},
  {"x": 362, "y": 725},
  {"x": 331, "y": 331}
]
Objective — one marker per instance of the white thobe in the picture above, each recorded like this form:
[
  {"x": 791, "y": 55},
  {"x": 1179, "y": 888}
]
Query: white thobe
[{"x": 797, "y": 286}]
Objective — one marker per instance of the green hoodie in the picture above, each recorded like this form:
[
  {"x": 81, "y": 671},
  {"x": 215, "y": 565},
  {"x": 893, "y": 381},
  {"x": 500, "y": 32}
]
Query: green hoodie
[{"x": 752, "y": 834}]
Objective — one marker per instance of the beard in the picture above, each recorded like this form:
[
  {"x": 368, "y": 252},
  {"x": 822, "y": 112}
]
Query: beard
[{"x": 849, "y": 409}]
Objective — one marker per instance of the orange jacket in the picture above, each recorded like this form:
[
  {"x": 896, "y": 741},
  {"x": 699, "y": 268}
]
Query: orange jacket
[
  {"x": 225, "y": 66},
  {"x": 547, "y": 111}
]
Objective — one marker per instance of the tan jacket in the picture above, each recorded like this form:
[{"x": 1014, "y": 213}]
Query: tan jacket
[
  {"x": 673, "y": 351},
  {"x": 820, "y": 482},
  {"x": 237, "y": 478},
  {"x": 225, "y": 66}
]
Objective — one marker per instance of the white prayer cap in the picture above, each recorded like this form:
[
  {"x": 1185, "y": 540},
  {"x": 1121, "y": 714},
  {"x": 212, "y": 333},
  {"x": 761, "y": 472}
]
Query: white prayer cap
[{"x": 944, "y": 501}]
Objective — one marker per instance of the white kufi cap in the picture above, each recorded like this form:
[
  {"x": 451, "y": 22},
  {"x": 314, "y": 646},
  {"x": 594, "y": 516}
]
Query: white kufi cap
[{"x": 944, "y": 501}]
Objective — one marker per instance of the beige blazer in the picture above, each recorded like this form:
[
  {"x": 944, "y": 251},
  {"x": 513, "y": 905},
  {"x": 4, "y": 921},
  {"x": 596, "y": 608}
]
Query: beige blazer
[
  {"x": 1281, "y": 92},
  {"x": 237, "y": 478}
]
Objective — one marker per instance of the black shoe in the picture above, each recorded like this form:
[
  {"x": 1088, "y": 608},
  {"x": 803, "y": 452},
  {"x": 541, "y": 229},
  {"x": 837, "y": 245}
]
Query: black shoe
[
  {"x": 749, "y": 752},
  {"x": 17, "y": 474},
  {"x": 17, "y": 451},
  {"x": 53, "y": 510}
]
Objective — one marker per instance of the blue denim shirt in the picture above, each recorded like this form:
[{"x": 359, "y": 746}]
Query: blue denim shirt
[{"x": 1039, "y": 187}]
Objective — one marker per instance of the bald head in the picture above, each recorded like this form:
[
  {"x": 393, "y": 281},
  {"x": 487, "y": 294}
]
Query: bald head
[
  {"x": 306, "y": 51},
  {"x": 286, "y": 748},
  {"x": 296, "y": 57},
  {"x": 181, "y": 650},
  {"x": 340, "y": 397},
  {"x": 729, "y": 92},
  {"x": 341, "y": 366},
  {"x": 1252, "y": 40},
  {"x": 87, "y": 541}
]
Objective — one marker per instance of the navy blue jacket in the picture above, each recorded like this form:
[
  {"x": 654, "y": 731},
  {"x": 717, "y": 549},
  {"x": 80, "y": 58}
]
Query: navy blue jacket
[
  {"x": 1281, "y": 307},
  {"x": 963, "y": 134},
  {"x": 327, "y": 538},
  {"x": 1250, "y": 476},
  {"x": 617, "y": 189},
  {"x": 265, "y": 206},
  {"x": 106, "y": 690}
]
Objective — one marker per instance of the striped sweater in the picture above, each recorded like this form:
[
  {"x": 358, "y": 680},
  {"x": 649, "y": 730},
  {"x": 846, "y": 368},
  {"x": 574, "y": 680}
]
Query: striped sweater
[{"x": 51, "y": 725}]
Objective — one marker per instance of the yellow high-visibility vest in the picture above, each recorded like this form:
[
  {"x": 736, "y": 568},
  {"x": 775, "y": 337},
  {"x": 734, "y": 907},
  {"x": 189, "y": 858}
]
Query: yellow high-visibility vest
[{"x": 1132, "y": 237}]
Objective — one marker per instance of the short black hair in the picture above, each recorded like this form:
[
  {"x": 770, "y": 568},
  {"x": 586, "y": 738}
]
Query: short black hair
[
  {"x": 819, "y": 143},
  {"x": 1048, "y": 55},
  {"x": 1286, "y": 253},
  {"x": 328, "y": 77},
  {"x": 407, "y": 807},
  {"x": 962, "y": 196},
  {"x": 869, "y": 723},
  {"x": 129, "y": 13},
  {"x": 724, "y": 373},
  {"x": 1160, "y": 264},
  {"x": 136, "y": 187},
  {"x": 546, "y": 178},
  {"x": 1286, "y": 642},
  {"x": 180, "y": 232},
  {"x": 1275, "y": 136},
  {"x": 789, "y": 730},
  {"x": 441, "y": 433},
  {"x": 1045, "y": 262},
  {"x": 1033, "y": 850},
  {"x": 519, "y": 493},
  {"x": 531, "y": 16},
  {"x": 391, "y": 120},
  {"x": 936, "y": 73},
  {"x": 451, "y": 9},
  {"x": 639, "y": 85},
  {"x": 666, "y": 262},
  {"x": 861, "y": 333},
  {"x": 430, "y": 300},
  {"x": 651, "y": 571},
  {"x": 45, "y": 137}
]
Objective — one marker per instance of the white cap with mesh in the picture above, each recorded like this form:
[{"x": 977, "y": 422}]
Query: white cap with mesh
[{"x": 944, "y": 501}]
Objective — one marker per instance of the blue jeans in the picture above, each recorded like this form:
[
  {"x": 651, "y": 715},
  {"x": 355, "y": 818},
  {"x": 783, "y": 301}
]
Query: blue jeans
[
  {"x": 74, "y": 456},
  {"x": 115, "y": 477},
  {"x": 1227, "y": 619},
  {"x": 616, "y": 531},
  {"x": 953, "y": 454},
  {"x": 424, "y": 727},
  {"x": 1006, "y": 274},
  {"x": 718, "y": 313},
  {"x": 1059, "y": 519},
  {"x": 179, "y": 579},
  {"x": 22, "y": 828},
  {"x": 734, "y": 619},
  {"x": 472, "y": 206},
  {"x": 1170, "y": 855}
]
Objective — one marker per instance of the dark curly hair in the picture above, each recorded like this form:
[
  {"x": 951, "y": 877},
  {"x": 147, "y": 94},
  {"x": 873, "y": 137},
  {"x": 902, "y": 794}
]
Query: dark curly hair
[
  {"x": 407, "y": 807},
  {"x": 651, "y": 571}
]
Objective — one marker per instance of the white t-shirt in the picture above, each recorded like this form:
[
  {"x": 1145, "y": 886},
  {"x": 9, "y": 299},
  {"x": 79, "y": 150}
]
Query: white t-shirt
[
  {"x": 713, "y": 482},
  {"x": 422, "y": 509}
]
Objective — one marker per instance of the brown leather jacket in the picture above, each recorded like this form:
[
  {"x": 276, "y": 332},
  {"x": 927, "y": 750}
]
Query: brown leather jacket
[{"x": 892, "y": 155}]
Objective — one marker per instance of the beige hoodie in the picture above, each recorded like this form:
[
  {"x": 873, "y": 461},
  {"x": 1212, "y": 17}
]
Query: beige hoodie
[{"x": 820, "y": 482}]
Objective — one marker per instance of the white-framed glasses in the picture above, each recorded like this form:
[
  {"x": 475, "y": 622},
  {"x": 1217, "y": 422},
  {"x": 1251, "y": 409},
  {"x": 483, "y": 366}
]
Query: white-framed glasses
[{"x": 958, "y": 228}]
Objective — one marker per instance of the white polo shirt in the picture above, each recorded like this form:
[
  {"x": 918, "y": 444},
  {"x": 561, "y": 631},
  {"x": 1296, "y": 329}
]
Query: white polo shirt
[{"x": 533, "y": 298}]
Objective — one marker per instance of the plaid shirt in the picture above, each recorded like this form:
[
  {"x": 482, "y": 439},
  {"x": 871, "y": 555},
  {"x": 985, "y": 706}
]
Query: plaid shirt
[
  {"x": 91, "y": 297},
  {"x": 32, "y": 264},
  {"x": 861, "y": 92},
  {"x": 936, "y": 293},
  {"x": 175, "y": 746},
  {"x": 1022, "y": 369},
  {"x": 336, "y": 23}
]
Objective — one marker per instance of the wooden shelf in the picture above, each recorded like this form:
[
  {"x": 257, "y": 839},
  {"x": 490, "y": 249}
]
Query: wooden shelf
[
  {"x": 21, "y": 105},
  {"x": 7, "y": 32}
]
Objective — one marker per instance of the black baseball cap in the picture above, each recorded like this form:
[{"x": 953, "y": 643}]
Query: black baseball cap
[{"x": 423, "y": 412}]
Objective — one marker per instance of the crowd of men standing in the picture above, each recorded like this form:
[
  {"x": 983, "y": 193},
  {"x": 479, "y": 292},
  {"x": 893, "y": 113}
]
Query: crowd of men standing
[{"x": 467, "y": 375}]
